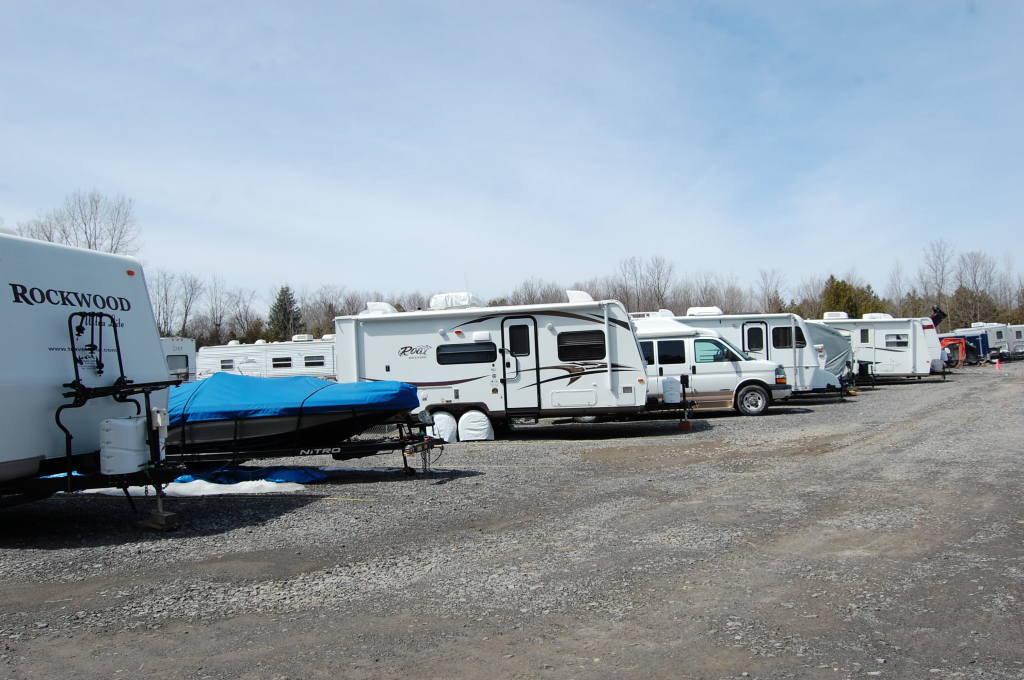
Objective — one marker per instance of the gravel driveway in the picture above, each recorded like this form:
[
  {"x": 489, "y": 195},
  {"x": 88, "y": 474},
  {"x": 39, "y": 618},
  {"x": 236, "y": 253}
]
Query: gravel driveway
[{"x": 880, "y": 536}]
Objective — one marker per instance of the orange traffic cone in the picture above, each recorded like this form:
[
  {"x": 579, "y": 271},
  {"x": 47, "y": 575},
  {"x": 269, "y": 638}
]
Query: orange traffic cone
[{"x": 998, "y": 365}]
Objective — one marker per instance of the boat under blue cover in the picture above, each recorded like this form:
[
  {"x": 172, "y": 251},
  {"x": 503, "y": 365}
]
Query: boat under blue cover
[
  {"x": 248, "y": 415},
  {"x": 227, "y": 396}
]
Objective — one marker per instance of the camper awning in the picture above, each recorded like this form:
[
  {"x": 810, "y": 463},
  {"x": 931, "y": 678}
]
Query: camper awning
[{"x": 225, "y": 396}]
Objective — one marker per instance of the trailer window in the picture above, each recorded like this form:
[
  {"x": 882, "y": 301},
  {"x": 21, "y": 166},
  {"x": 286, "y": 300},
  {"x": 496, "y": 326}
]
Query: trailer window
[
  {"x": 1018, "y": 334},
  {"x": 782, "y": 338},
  {"x": 467, "y": 353},
  {"x": 519, "y": 340},
  {"x": 314, "y": 360},
  {"x": 755, "y": 339},
  {"x": 227, "y": 364},
  {"x": 177, "y": 362},
  {"x": 999, "y": 335},
  {"x": 281, "y": 362},
  {"x": 709, "y": 351},
  {"x": 865, "y": 336},
  {"x": 647, "y": 347},
  {"x": 897, "y": 340},
  {"x": 581, "y": 346},
  {"x": 671, "y": 352}
]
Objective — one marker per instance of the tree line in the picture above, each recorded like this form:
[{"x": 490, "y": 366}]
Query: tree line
[{"x": 967, "y": 286}]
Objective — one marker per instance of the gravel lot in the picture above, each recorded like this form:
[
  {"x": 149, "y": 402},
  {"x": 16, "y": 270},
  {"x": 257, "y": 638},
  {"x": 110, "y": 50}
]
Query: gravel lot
[{"x": 880, "y": 536}]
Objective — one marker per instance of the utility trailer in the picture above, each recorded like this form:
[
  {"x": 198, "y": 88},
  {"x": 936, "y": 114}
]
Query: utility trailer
[
  {"x": 304, "y": 355},
  {"x": 491, "y": 365},
  {"x": 84, "y": 404},
  {"x": 890, "y": 347}
]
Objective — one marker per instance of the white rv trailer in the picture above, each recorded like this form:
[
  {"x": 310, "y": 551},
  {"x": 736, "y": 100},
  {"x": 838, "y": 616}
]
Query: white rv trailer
[
  {"x": 999, "y": 336},
  {"x": 779, "y": 338},
  {"x": 180, "y": 354},
  {"x": 1017, "y": 340},
  {"x": 888, "y": 347},
  {"x": 86, "y": 391},
  {"x": 718, "y": 374},
  {"x": 303, "y": 355},
  {"x": 835, "y": 350},
  {"x": 572, "y": 358}
]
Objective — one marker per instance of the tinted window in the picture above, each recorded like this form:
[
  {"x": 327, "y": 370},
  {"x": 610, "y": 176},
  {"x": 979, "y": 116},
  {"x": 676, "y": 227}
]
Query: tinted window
[
  {"x": 177, "y": 362},
  {"x": 581, "y": 346},
  {"x": 897, "y": 340},
  {"x": 865, "y": 336},
  {"x": 519, "y": 340},
  {"x": 999, "y": 335},
  {"x": 647, "y": 347},
  {"x": 782, "y": 337},
  {"x": 227, "y": 364},
  {"x": 708, "y": 351},
  {"x": 467, "y": 353},
  {"x": 281, "y": 362},
  {"x": 755, "y": 339},
  {"x": 671, "y": 352},
  {"x": 314, "y": 360}
]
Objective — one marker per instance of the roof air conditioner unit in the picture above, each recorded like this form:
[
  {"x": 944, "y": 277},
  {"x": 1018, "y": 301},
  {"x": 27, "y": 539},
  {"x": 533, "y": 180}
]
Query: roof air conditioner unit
[
  {"x": 328, "y": 336},
  {"x": 302, "y": 337},
  {"x": 232, "y": 343},
  {"x": 261, "y": 341},
  {"x": 578, "y": 296},
  {"x": 836, "y": 315},
  {"x": 877, "y": 315},
  {"x": 704, "y": 311},
  {"x": 978, "y": 324},
  {"x": 454, "y": 301},
  {"x": 379, "y": 308}
]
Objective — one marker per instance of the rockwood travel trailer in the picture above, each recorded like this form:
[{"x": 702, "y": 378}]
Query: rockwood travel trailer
[
  {"x": 718, "y": 374},
  {"x": 88, "y": 391},
  {"x": 302, "y": 356},
  {"x": 180, "y": 354},
  {"x": 779, "y": 338},
  {"x": 575, "y": 358},
  {"x": 888, "y": 347}
]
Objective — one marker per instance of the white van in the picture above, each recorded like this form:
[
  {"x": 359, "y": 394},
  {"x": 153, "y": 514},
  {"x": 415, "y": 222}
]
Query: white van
[{"x": 718, "y": 374}]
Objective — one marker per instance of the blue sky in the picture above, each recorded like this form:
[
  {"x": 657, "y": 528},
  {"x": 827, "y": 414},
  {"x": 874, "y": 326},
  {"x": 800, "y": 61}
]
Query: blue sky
[{"x": 455, "y": 145}]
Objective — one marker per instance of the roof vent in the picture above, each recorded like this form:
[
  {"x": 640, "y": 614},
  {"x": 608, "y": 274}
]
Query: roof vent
[
  {"x": 302, "y": 337},
  {"x": 877, "y": 315},
  {"x": 704, "y": 311},
  {"x": 454, "y": 301},
  {"x": 835, "y": 315},
  {"x": 578, "y": 296}
]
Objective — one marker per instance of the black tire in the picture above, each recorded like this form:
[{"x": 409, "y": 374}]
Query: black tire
[{"x": 752, "y": 400}]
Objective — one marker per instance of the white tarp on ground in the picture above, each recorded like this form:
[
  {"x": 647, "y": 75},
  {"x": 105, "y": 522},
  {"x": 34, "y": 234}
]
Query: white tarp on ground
[
  {"x": 445, "y": 427},
  {"x": 475, "y": 426}
]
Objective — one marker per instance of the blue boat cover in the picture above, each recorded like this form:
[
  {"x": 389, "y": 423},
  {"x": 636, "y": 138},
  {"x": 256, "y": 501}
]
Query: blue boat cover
[{"x": 226, "y": 396}]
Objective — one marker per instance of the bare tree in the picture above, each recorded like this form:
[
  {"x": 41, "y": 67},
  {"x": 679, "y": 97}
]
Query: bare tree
[
  {"x": 934, "y": 274},
  {"x": 535, "y": 291},
  {"x": 190, "y": 290},
  {"x": 896, "y": 291},
  {"x": 163, "y": 294},
  {"x": 768, "y": 297},
  {"x": 89, "y": 220}
]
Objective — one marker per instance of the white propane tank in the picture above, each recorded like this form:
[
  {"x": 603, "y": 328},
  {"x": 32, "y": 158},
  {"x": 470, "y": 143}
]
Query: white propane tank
[
  {"x": 671, "y": 390},
  {"x": 123, "y": 448}
]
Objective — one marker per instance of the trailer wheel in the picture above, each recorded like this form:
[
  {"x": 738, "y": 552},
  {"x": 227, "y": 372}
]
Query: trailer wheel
[{"x": 752, "y": 401}]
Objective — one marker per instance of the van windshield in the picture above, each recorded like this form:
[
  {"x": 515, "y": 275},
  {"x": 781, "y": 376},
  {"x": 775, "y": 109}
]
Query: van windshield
[{"x": 734, "y": 348}]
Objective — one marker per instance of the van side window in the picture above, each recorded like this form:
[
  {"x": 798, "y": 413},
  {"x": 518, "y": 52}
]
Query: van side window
[
  {"x": 467, "y": 353},
  {"x": 519, "y": 340},
  {"x": 897, "y": 340},
  {"x": 314, "y": 360},
  {"x": 281, "y": 362},
  {"x": 647, "y": 348},
  {"x": 782, "y": 338},
  {"x": 755, "y": 339},
  {"x": 671, "y": 352},
  {"x": 708, "y": 351},
  {"x": 227, "y": 364},
  {"x": 581, "y": 346},
  {"x": 865, "y": 336}
]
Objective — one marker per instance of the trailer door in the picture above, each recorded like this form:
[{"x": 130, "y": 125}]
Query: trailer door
[
  {"x": 520, "y": 364},
  {"x": 755, "y": 339}
]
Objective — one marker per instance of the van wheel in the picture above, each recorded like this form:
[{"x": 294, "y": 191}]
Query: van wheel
[{"x": 752, "y": 401}]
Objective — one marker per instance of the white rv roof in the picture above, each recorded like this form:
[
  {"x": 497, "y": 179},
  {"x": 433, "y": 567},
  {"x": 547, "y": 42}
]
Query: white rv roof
[
  {"x": 871, "y": 316},
  {"x": 507, "y": 309},
  {"x": 655, "y": 326}
]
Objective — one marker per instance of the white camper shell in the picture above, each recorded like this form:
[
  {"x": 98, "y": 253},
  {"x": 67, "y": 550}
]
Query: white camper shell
[
  {"x": 180, "y": 354},
  {"x": 718, "y": 374},
  {"x": 303, "y": 355},
  {"x": 999, "y": 336},
  {"x": 888, "y": 347},
  {"x": 76, "y": 321},
  {"x": 779, "y": 338},
  {"x": 521, "y": 361}
]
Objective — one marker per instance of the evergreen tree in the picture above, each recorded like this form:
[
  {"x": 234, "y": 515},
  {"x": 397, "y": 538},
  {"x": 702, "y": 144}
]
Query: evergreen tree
[
  {"x": 285, "y": 318},
  {"x": 842, "y": 296}
]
